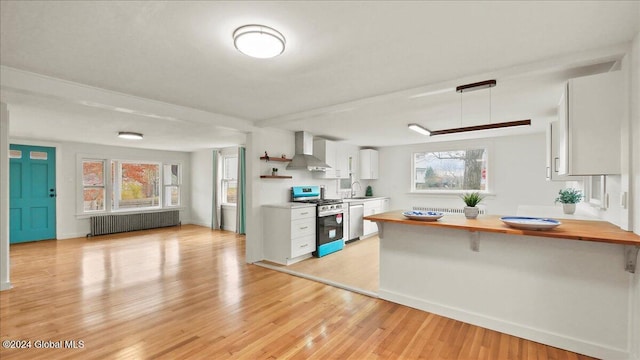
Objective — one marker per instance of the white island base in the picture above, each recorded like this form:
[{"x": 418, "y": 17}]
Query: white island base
[{"x": 570, "y": 294}]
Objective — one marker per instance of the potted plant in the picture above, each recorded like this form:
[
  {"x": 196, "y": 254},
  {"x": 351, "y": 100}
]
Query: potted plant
[
  {"x": 472, "y": 199},
  {"x": 274, "y": 171},
  {"x": 569, "y": 198}
]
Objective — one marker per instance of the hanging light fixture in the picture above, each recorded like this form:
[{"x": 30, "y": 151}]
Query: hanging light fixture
[
  {"x": 129, "y": 135},
  {"x": 482, "y": 127},
  {"x": 487, "y": 84},
  {"x": 259, "y": 41}
]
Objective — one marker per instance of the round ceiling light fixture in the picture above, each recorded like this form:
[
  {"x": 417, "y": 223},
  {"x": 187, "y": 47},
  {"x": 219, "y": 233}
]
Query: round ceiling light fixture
[
  {"x": 259, "y": 41},
  {"x": 129, "y": 135}
]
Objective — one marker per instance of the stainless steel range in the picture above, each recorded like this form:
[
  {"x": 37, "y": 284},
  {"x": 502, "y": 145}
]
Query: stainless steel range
[{"x": 329, "y": 219}]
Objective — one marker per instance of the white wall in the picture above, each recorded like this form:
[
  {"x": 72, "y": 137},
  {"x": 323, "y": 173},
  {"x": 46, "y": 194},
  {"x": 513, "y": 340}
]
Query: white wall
[
  {"x": 516, "y": 171},
  {"x": 202, "y": 183},
  {"x": 4, "y": 198},
  {"x": 69, "y": 223},
  {"x": 270, "y": 191},
  {"x": 574, "y": 295},
  {"x": 201, "y": 186},
  {"x": 635, "y": 182}
]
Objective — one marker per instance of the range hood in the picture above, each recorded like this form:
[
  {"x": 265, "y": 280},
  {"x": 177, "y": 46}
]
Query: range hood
[{"x": 303, "y": 158}]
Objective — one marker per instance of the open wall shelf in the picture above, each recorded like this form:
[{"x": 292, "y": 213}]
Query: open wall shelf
[{"x": 274, "y": 159}]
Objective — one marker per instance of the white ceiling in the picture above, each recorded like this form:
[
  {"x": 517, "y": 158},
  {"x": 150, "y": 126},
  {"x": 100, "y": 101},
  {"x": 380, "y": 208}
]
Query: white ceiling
[{"x": 351, "y": 69}]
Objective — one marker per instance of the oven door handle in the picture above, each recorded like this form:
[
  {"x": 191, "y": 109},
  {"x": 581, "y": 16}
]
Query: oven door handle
[{"x": 330, "y": 213}]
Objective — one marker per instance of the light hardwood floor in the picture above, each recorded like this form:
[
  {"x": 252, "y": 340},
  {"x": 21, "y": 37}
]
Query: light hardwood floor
[
  {"x": 355, "y": 267},
  {"x": 182, "y": 293}
]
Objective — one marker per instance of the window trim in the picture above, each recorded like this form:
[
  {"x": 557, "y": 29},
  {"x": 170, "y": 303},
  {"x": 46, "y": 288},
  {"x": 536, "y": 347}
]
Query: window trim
[
  {"x": 119, "y": 162},
  {"x": 165, "y": 204},
  {"x": 452, "y": 147},
  {"x": 104, "y": 186},
  {"x": 223, "y": 180},
  {"x": 82, "y": 214}
]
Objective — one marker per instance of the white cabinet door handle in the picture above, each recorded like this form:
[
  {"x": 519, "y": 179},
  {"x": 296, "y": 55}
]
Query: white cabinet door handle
[
  {"x": 304, "y": 213},
  {"x": 304, "y": 227},
  {"x": 305, "y": 245}
]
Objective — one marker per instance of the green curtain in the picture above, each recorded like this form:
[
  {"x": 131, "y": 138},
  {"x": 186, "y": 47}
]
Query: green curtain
[
  {"x": 241, "y": 209},
  {"x": 215, "y": 218}
]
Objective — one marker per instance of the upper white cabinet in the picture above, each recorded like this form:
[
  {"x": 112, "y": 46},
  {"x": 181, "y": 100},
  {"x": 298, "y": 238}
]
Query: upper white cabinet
[
  {"x": 336, "y": 155},
  {"x": 589, "y": 129},
  {"x": 368, "y": 164},
  {"x": 553, "y": 153}
]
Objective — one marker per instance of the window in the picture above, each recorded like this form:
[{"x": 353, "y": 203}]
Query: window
[
  {"x": 457, "y": 170},
  {"x": 172, "y": 180},
  {"x": 135, "y": 185},
  {"x": 128, "y": 185},
  {"x": 229, "y": 179},
  {"x": 93, "y": 185}
]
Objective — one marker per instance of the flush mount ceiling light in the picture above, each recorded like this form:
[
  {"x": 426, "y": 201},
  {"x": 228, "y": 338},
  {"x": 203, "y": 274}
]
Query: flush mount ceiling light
[
  {"x": 258, "y": 41},
  {"x": 129, "y": 135},
  {"x": 419, "y": 129},
  {"x": 487, "y": 84}
]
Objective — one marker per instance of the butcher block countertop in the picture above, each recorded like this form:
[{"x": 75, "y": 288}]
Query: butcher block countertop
[{"x": 586, "y": 230}]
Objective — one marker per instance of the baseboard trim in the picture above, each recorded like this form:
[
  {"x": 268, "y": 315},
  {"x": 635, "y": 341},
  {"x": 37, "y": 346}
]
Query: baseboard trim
[
  {"x": 539, "y": 335},
  {"x": 317, "y": 279},
  {"x": 5, "y": 286}
]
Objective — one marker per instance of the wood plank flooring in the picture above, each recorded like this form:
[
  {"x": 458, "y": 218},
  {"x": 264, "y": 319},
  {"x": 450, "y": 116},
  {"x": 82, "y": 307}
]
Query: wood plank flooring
[
  {"x": 356, "y": 266},
  {"x": 186, "y": 293}
]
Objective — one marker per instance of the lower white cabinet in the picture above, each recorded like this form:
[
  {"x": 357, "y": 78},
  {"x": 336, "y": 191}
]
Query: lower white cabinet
[
  {"x": 372, "y": 207},
  {"x": 289, "y": 234}
]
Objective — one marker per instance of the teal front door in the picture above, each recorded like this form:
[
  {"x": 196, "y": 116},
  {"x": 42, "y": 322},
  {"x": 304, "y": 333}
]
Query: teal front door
[{"x": 32, "y": 193}]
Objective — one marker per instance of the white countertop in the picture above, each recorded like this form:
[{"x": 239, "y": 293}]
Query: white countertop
[
  {"x": 290, "y": 205},
  {"x": 368, "y": 198}
]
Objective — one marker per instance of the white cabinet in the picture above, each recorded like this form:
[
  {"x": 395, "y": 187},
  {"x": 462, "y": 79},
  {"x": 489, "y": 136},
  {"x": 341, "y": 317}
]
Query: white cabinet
[
  {"x": 553, "y": 153},
  {"x": 386, "y": 204},
  {"x": 335, "y": 155},
  {"x": 289, "y": 234},
  {"x": 368, "y": 164},
  {"x": 590, "y": 125},
  {"x": 372, "y": 207}
]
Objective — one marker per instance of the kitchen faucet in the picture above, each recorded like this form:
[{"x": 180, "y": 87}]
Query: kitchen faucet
[{"x": 353, "y": 192}]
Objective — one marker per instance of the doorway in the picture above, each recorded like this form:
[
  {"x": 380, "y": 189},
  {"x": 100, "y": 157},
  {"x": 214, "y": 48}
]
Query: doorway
[{"x": 32, "y": 193}]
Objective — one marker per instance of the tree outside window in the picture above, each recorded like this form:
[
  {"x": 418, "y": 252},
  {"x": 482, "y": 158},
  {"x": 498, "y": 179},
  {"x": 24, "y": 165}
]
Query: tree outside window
[{"x": 135, "y": 185}]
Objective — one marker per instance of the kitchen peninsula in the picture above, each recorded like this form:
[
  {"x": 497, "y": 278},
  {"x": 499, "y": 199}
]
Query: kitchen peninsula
[{"x": 565, "y": 287}]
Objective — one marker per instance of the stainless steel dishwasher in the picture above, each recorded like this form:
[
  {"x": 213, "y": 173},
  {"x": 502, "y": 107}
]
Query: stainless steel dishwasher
[{"x": 356, "y": 212}]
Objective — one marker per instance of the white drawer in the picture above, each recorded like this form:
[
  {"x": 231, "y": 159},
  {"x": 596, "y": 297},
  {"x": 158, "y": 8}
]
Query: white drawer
[
  {"x": 303, "y": 245},
  {"x": 303, "y": 213},
  {"x": 302, "y": 227}
]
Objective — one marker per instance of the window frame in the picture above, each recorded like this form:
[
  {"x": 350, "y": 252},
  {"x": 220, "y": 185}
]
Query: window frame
[
  {"x": 115, "y": 201},
  {"x": 165, "y": 186},
  {"x": 109, "y": 186},
  {"x": 224, "y": 182},
  {"x": 452, "y": 147},
  {"x": 104, "y": 185}
]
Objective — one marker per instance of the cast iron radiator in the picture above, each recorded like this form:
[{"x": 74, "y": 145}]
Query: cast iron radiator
[
  {"x": 111, "y": 224},
  {"x": 445, "y": 210}
]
